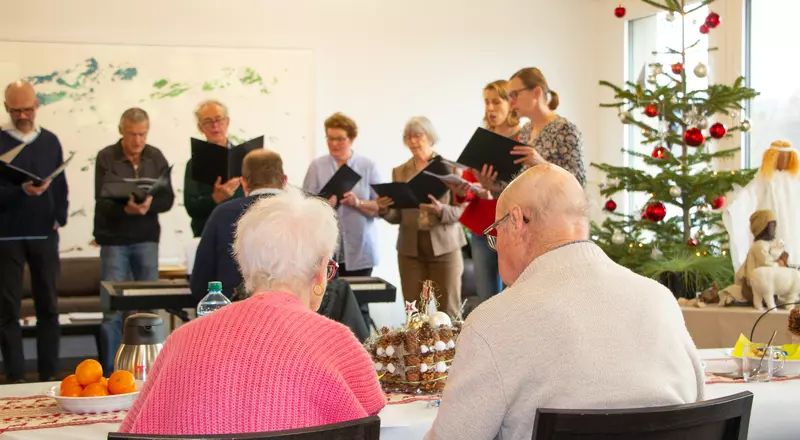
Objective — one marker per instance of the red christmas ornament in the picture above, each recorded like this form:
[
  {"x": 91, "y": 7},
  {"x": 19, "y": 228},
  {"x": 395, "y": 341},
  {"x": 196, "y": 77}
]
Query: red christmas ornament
[
  {"x": 677, "y": 68},
  {"x": 651, "y": 110},
  {"x": 712, "y": 21},
  {"x": 693, "y": 137},
  {"x": 717, "y": 130},
  {"x": 611, "y": 205},
  {"x": 692, "y": 242},
  {"x": 655, "y": 212},
  {"x": 659, "y": 152},
  {"x": 619, "y": 11},
  {"x": 704, "y": 29},
  {"x": 718, "y": 203}
]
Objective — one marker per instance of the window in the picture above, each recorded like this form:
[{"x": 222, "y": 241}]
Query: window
[
  {"x": 771, "y": 60},
  {"x": 649, "y": 38}
]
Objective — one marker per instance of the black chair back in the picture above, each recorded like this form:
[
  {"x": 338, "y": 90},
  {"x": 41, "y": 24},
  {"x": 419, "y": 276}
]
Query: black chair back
[
  {"x": 368, "y": 428},
  {"x": 726, "y": 418}
]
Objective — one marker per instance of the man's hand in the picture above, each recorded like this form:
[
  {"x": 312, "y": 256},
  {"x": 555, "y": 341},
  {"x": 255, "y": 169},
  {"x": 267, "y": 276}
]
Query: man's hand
[
  {"x": 34, "y": 190},
  {"x": 530, "y": 156},
  {"x": 134, "y": 208},
  {"x": 435, "y": 206},
  {"x": 224, "y": 191},
  {"x": 350, "y": 199}
]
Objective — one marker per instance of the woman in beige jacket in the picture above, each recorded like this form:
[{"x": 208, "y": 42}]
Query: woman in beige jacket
[{"x": 430, "y": 238}]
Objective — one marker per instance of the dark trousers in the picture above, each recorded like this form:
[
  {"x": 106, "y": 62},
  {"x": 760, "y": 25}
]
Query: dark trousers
[
  {"x": 343, "y": 272},
  {"x": 44, "y": 264}
]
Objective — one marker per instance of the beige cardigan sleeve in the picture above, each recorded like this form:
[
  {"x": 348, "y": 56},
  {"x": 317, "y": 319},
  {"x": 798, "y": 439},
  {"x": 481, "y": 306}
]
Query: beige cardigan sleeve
[{"x": 474, "y": 403}]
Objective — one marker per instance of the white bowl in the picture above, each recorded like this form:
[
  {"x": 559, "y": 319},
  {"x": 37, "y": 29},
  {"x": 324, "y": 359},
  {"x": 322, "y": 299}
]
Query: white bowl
[
  {"x": 790, "y": 368},
  {"x": 100, "y": 404}
]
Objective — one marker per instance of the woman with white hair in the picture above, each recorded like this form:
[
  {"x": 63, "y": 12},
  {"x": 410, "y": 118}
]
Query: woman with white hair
[
  {"x": 270, "y": 362},
  {"x": 430, "y": 239}
]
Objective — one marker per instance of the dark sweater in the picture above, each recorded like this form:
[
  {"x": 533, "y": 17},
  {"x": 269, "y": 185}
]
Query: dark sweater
[
  {"x": 112, "y": 225},
  {"x": 198, "y": 201},
  {"x": 22, "y": 215},
  {"x": 213, "y": 260}
]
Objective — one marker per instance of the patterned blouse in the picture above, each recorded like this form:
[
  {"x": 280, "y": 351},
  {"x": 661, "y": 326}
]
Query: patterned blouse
[{"x": 559, "y": 143}]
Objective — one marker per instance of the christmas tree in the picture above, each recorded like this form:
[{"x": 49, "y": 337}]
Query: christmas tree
[{"x": 674, "y": 120}]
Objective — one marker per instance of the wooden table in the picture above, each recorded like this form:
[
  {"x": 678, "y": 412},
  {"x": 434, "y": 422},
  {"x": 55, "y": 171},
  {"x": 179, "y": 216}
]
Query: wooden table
[{"x": 714, "y": 326}]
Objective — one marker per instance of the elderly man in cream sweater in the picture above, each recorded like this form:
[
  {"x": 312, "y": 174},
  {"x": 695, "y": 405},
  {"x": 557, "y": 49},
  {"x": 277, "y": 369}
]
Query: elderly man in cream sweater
[{"x": 574, "y": 329}]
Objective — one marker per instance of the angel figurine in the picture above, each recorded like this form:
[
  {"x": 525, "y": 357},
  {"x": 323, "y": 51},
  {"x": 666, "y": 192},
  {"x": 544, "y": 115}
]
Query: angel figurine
[{"x": 775, "y": 187}]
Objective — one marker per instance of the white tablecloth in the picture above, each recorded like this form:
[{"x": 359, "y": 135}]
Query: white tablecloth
[{"x": 776, "y": 406}]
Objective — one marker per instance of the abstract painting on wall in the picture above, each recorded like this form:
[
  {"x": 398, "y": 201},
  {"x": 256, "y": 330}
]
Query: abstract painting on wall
[{"x": 83, "y": 89}]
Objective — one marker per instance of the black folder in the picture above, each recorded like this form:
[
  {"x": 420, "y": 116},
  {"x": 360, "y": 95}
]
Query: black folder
[
  {"x": 17, "y": 176},
  {"x": 342, "y": 181},
  {"x": 210, "y": 161},
  {"x": 487, "y": 147},
  {"x": 411, "y": 194},
  {"x": 121, "y": 190}
]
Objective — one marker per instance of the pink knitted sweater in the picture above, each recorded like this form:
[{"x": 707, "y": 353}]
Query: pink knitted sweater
[{"x": 264, "y": 364}]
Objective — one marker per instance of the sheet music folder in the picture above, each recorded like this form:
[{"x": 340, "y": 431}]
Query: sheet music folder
[
  {"x": 409, "y": 195},
  {"x": 210, "y": 161},
  {"x": 487, "y": 147},
  {"x": 342, "y": 181},
  {"x": 122, "y": 190},
  {"x": 17, "y": 176}
]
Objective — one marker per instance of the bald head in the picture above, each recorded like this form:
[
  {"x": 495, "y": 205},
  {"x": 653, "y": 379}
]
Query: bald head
[
  {"x": 21, "y": 105},
  {"x": 545, "y": 208},
  {"x": 550, "y": 194}
]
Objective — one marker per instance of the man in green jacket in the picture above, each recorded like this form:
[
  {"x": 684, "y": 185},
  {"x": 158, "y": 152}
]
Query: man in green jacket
[{"x": 200, "y": 198}]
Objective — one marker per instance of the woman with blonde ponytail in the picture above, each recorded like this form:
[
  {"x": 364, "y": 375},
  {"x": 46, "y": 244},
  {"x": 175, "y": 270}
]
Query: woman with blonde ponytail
[{"x": 551, "y": 138}]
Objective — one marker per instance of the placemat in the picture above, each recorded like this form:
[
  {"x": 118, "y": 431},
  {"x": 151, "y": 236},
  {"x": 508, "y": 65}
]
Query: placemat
[
  {"x": 38, "y": 412},
  {"x": 401, "y": 398}
]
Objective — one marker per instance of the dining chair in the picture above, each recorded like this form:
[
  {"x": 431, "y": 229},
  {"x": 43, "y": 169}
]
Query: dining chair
[
  {"x": 726, "y": 418},
  {"x": 368, "y": 428}
]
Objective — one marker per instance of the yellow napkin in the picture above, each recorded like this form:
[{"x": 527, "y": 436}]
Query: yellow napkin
[
  {"x": 792, "y": 350},
  {"x": 739, "y": 347}
]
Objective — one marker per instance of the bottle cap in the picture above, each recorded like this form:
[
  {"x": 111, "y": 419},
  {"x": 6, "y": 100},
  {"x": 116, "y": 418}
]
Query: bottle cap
[{"x": 215, "y": 286}]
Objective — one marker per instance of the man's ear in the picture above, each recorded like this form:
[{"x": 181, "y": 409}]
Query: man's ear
[{"x": 285, "y": 181}]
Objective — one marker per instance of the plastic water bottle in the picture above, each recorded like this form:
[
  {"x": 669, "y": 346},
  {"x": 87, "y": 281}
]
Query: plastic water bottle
[{"x": 212, "y": 302}]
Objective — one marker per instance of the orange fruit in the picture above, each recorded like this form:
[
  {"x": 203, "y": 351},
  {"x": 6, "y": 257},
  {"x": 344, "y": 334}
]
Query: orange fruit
[
  {"x": 103, "y": 381},
  {"x": 89, "y": 371},
  {"x": 69, "y": 382},
  {"x": 94, "y": 390},
  {"x": 74, "y": 391},
  {"x": 121, "y": 382}
]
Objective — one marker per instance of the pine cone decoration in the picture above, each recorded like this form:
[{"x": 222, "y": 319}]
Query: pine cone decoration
[
  {"x": 411, "y": 341},
  {"x": 794, "y": 323}
]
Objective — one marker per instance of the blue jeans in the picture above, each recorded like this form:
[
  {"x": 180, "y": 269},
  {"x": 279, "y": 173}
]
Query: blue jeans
[
  {"x": 135, "y": 262},
  {"x": 487, "y": 273}
]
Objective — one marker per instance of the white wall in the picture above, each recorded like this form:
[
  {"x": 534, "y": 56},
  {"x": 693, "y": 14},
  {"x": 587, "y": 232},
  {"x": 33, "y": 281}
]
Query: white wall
[{"x": 378, "y": 61}]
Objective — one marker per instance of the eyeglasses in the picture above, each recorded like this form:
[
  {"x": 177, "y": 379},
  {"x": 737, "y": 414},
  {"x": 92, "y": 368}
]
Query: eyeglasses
[
  {"x": 515, "y": 93},
  {"x": 333, "y": 267},
  {"x": 212, "y": 122},
  {"x": 337, "y": 139},
  {"x": 19, "y": 111},
  {"x": 490, "y": 233}
]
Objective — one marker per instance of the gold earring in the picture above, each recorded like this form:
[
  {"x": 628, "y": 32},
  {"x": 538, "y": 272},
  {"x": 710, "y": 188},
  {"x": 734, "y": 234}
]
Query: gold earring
[{"x": 321, "y": 290}]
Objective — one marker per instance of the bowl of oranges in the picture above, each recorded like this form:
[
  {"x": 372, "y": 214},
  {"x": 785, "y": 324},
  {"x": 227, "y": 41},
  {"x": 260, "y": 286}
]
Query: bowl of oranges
[{"x": 87, "y": 391}]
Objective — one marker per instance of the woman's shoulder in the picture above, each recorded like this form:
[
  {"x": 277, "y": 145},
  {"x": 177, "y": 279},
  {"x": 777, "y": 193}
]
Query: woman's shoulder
[{"x": 563, "y": 124}]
